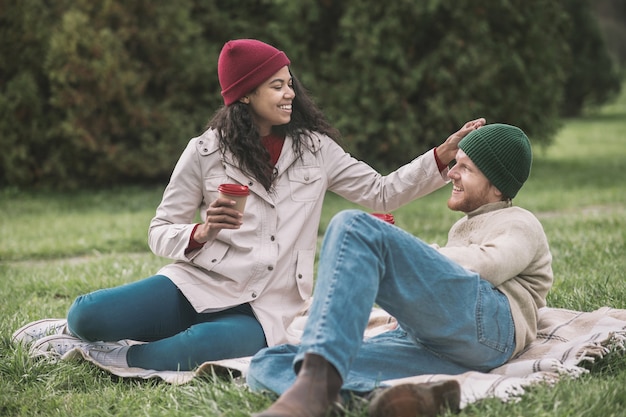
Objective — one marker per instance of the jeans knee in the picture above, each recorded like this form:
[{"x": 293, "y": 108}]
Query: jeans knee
[
  {"x": 345, "y": 218},
  {"x": 355, "y": 222}
]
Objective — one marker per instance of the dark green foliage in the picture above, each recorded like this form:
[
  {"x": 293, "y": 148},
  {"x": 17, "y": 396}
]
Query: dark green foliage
[
  {"x": 612, "y": 20},
  {"x": 24, "y": 89},
  {"x": 592, "y": 77},
  {"x": 398, "y": 77},
  {"x": 104, "y": 92},
  {"x": 100, "y": 92},
  {"x": 124, "y": 76}
]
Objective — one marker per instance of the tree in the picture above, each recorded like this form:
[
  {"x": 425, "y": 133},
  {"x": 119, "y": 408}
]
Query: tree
[
  {"x": 397, "y": 77},
  {"x": 99, "y": 93},
  {"x": 593, "y": 78}
]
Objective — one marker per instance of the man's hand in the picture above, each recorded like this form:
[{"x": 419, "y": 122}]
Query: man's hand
[{"x": 446, "y": 152}]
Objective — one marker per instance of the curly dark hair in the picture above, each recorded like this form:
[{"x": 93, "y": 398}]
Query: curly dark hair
[{"x": 238, "y": 134}]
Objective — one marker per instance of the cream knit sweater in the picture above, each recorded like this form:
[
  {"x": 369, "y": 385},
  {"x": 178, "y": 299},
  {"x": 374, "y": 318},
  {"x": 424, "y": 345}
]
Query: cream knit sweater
[{"x": 507, "y": 246}]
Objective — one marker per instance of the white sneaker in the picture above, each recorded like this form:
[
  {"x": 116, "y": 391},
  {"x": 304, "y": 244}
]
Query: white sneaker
[
  {"x": 55, "y": 345},
  {"x": 109, "y": 353},
  {"x": 105, "y": 353},
  {"x": 35, "y": 330}
]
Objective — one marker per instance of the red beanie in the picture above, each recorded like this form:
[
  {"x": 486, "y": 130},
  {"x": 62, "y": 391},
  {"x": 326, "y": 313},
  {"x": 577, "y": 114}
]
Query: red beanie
[{"x": 244, "y": 64}]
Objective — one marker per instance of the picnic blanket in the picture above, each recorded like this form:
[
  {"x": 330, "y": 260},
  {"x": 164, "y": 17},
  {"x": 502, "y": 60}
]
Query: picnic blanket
[{"x": 566, "y": 340}]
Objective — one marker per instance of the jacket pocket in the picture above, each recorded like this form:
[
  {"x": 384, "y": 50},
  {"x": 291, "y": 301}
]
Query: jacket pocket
[
  {"x": 493, "y": 315},
  {"x": 211, "y": 255},
  {"x": 211, "y": 184},
  {"x": 305, "y": 183},
  {"x": 304, "y": 273}
]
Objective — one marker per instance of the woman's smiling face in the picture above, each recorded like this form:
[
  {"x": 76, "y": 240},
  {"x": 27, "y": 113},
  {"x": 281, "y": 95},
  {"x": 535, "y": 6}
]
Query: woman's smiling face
[{"x": 271, "y": 101}]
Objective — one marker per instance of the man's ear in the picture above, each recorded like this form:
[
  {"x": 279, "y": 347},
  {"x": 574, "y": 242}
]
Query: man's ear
[{"x": 499, "y": 195}]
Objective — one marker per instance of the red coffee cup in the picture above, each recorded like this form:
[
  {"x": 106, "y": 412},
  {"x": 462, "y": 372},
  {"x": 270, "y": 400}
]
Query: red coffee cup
[
  {"x": 388, "y": 217},
  {"x": 235, "y": 192}
]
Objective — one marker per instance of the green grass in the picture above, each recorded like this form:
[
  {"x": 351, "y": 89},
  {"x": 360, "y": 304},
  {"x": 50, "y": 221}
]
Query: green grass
[{"x": 54, "y": 247}]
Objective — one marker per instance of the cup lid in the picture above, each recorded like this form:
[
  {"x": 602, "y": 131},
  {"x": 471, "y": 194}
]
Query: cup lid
[
  {"x": 233, "y": 189},
  {"x": 388, "y": 217}
]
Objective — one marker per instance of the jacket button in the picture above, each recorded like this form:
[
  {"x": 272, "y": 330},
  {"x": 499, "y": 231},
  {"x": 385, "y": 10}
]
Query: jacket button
[
  {"x": 270, "y": 268},
  {"x": 253, "y": 295},
  {"x": 272, "y": 238},
  {"x": 299, "y": 276},
  {"x": 213, "y": 260}
]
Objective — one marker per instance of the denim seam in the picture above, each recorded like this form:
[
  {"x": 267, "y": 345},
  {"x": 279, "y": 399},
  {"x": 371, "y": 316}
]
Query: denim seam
[{"x": 316, "y": 347}]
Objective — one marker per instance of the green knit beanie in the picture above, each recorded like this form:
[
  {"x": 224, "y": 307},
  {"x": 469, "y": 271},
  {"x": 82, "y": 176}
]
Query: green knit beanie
[{"x": 502, "y": 152}]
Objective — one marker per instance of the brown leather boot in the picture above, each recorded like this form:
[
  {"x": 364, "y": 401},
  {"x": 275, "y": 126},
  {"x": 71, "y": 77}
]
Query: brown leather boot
[
  {"x": 417, "y": 400},
  {"x": 313, "y": 394}
]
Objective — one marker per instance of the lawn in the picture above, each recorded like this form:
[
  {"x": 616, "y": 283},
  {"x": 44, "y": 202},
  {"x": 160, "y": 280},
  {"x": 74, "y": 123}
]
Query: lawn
[{"x": 56, "y": 246}]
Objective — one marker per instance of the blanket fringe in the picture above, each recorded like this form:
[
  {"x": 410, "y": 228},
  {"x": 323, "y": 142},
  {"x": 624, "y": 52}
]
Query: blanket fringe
[{"x": 615, "y": 342}]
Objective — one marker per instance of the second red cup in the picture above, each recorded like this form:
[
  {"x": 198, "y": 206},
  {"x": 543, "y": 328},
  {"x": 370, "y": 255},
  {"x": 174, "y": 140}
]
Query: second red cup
[{"x": 388, "y": 217}]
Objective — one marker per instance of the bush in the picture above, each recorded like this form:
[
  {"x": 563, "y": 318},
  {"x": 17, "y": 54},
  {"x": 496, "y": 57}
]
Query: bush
[
  {"x": 24, "y": 90},
  {"x": 123, "y": 77},
  {"x": 398, "y": 77},
  {"x": 100, "y": 93},
  {"x": 593, "y": 76}
]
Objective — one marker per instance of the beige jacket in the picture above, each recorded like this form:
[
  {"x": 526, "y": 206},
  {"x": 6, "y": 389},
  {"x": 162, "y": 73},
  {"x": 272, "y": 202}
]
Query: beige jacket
[
  {"x": 269, "y": 261},
  {"x": 507, "y": 246}
]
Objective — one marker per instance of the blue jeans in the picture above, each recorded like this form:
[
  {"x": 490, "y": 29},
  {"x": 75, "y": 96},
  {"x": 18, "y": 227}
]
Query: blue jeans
[
  {"x": 153, "y": 310},
  {"x": 450, "y": 320}
]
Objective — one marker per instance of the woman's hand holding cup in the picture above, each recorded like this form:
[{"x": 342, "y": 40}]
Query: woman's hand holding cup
[{"x": 224, "y": 213}]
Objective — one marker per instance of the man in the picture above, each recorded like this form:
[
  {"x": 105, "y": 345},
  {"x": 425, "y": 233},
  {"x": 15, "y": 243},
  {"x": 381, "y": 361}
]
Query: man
[{"x": 470, "y": 305}]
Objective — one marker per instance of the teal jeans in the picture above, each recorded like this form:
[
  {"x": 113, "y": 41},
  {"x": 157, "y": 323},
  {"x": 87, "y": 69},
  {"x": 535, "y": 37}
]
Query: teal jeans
[{"x": 153, "y": 310}]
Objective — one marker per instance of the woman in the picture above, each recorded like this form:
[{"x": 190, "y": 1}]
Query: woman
[{"x": 238, "y": 279}]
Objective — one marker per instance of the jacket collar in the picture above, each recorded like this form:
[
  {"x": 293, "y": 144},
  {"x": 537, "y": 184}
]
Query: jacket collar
[{"x": 287, "y": 158}]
